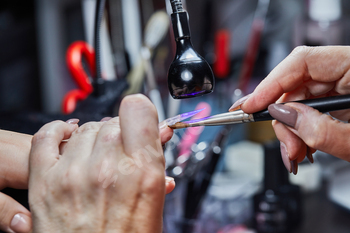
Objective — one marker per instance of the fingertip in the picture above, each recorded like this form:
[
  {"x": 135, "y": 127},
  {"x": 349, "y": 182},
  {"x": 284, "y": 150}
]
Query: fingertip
[
  {"x": 166, "y": 134},
  {"x": 21, "y": 223}
]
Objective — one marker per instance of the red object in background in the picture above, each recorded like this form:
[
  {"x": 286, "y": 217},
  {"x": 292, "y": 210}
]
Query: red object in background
[
  {"x": 74, "y": 58},
  {"x": 251, "y": 54},
  {"x": 222, "y": 51}
]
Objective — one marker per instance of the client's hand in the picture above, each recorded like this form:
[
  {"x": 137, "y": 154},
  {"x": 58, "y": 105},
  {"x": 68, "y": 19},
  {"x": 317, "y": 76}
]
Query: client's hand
[{"x": 109, "y": 176}]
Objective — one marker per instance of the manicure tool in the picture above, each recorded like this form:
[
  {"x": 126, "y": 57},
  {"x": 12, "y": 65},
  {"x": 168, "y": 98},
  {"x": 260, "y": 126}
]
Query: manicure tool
[
  {"x": 326, "y": 104},
  {"x": 177, "y": 118},
  {"x": 155, "y": 31}
]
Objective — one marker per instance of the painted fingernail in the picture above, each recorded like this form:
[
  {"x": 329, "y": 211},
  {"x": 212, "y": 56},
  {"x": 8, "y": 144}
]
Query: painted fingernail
[
  {"x": 238, "y": 103},
  {"x": 283, "y": 114},
  {"x": 73, "y": 121},
  {"x": 168, "y": 179},
  {"x": 21, "y": 223},
  {"x": 294, "y": 167},
  {"x": 105, "y": 119},
  {"x": 309, "y": 155},
  {"x": 162, "y": 125},
  {"x": 285, "y": 157}
]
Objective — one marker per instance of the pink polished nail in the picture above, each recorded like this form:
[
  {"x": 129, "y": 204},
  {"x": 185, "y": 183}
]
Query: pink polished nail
[
  {"x": 238, "y": 103},
  {"x": 285, "y": 157},
  {"x": 105, "y": 119},
  {"x": 21, "y": 223},
  {"x": 73, "y": 121}
]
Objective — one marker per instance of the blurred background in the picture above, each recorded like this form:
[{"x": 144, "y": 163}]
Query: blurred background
[{"x": 229, "y": 179}]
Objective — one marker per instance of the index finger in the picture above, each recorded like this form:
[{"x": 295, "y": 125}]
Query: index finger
[
  {"x": 45, "y": 144},
  {"x": 324, "y": 64}
]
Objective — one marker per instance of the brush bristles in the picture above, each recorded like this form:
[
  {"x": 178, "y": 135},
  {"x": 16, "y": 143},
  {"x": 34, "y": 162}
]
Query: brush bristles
[{"x": 179, "y": 125}]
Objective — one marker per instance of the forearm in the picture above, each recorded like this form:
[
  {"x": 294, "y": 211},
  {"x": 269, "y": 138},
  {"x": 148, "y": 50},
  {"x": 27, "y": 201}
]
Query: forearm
[{"x": 14, "y": 154}]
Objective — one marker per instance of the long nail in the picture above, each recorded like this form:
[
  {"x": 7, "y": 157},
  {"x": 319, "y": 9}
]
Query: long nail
[
  {"x": 309, "y": 155},
  {"x": 285, "y": 157},
  {"x": 238, "y": 103},
  {"x": 73, "y": 121},
  {"x": 21, "y": 223},
  {"x": 295, "y": 167},
  {"x": 284, "y": 114},
  {"x": 105, "y": 119}
]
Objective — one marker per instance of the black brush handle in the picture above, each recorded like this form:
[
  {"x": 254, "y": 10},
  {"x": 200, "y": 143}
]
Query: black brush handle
[{"x": 326, "y": 104}]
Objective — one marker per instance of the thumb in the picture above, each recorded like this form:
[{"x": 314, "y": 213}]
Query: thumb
[
  {"x": 13, "y": 216},
  {"x": 317, "y": 130}
]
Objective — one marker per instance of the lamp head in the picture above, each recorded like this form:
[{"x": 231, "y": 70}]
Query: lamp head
[{"x": 189, "y": 74}]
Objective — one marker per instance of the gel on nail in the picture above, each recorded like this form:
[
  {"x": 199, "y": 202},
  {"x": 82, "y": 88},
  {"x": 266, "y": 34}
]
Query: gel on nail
[
  {"x": 238, "y": 103},
  {"x": 284, "y": 114},
  {"x": 105, "y": 119},
  {"x": 285, "y": 157},
  {"x": 72, "y": 121}
]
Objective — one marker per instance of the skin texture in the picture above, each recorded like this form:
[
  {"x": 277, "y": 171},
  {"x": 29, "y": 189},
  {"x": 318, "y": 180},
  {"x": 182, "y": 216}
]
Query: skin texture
[
  {"x": 70, "y": 189},
  {"x": 308, "y": 72},
  {"x": 14, "y": 153},
  {"x": 14, "y": 170}
]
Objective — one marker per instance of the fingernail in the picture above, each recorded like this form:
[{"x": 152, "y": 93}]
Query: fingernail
[
  {"x": 294, "y": 167},
  {"x": 238, "y": 103},
  {"x": 285, "y": 157},
  {"x": 21, "y": 223},
  {"x": 162, "y": 125},
  {"x": 73, "y": 121},
  {"x": 168, "y": 179},
  {"x": 106, "y": 119},
  {"x": 309, "y": 155},
  {"x": 283, "y": 114}
]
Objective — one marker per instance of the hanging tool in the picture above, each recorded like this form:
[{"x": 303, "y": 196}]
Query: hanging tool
[
  {"x": 189, "y": 74},
  {"x": 75, "y": 53}
]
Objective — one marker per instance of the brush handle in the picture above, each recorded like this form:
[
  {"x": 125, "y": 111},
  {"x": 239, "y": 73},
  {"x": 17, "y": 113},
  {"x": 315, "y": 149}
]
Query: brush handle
[{"x": 326, "y": 104}]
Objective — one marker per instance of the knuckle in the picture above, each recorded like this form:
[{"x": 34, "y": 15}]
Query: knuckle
[
  {"x": 112, "y": 136},
  {"x": 152, "y": 181},
  {"x": 300, "y": 50},
  {"x": 73, "y": 177},
  {"x": 90, "y": 127}
]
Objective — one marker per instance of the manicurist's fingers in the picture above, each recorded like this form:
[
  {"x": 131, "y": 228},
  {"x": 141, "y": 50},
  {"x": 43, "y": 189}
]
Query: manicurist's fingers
[
  {"x": 293, "y": 149},
  {"x": 317, "y": 130},
  {"x": 45, "y": 144},
  {"x": 13, "y": 216},
  {"x": 322, "y": 64}
]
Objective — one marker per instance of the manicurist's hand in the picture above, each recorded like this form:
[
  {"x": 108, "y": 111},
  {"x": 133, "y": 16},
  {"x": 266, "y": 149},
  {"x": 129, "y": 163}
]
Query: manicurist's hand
[
  {"x": 308, "y": 72},
  {"x": 14, "y": 154}
]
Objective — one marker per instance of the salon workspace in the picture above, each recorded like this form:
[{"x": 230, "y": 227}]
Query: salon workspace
[{"x": 253, "y": 94}]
